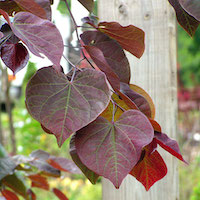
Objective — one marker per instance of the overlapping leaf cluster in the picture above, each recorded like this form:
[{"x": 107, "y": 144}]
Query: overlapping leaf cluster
[
  {"x": 37, "y": 167},
  {"x": 110, "y": 122}
]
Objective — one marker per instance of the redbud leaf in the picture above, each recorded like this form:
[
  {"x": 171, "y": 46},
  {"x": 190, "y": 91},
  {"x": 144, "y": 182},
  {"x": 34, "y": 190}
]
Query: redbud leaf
[
  {"x": 92, "y": 177},
  {"x": 112, "y": 149},
  {"x": 32, "y": 6},
  {"x": 64, "y": 106},
  {"x": 112, "y": 52},
  {"x": 129, "y": 37},
  {"x": 14, "y": 56},
  {"x": 137, "y": 98},
  {"x": 63, "y": 164},
  {"x": 188, "y": 22},
  {"x": 40, "y": 36},
  {"x": 192, "y": 7},
  {"x": 169, "y": 145},
  {"x": 150, "y": 169}
]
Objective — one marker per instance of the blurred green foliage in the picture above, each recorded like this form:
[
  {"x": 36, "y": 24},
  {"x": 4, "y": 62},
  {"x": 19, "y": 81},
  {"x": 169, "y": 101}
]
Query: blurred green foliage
[
  {"x": 189, "y": 180},
  {"x": 189, "y": 57}
]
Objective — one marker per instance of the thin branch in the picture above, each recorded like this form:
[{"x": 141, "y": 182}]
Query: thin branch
[
  {"x": 68, "y": 61},
  {"x": 73, "y": 75},
  {"x": 77, "y": 35}
]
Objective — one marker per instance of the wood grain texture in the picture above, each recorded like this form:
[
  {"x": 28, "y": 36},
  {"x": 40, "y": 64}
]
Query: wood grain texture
[{"x": 156, "y": 73}]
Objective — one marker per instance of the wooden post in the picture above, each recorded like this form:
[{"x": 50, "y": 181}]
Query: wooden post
[{"x": 156, "y": 73}]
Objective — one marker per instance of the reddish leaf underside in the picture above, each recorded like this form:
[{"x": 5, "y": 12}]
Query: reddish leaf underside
[
  {"x": 88, "y": 4},
  {"x": 63, "y": 107},
  {"x": 10, "y": 7},
  {"x": 59, "y": 194},
  {"x": 112, "y": 53},
  {"x": 14, "y": 56},
  {"x": 33, "y": 7},
  {"x": 169, "y": 145},
  {"x": 111, "y": 149},
  {"x": 9, "y": 195},
  {"x": 40, "y": 36},
  {"x": 192, "y": 7},
  {"x": 39, "y": 181},
  {"x": 150, "y": 169},
  {"x": 92, "y": 176},
  {"x": 189, "y": 23},
  {"x": 129, "y": 37}
]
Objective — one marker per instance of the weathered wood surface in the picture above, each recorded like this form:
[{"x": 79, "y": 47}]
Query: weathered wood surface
[{"x": 156, "y": 73}]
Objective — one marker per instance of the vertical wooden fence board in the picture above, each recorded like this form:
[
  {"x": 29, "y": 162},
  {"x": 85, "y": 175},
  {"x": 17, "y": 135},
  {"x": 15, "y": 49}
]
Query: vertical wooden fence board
[{"x": 156, "y": 73}]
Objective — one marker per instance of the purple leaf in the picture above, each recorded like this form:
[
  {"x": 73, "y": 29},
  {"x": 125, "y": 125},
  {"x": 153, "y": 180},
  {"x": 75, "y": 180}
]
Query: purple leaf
[
  {"x": 169, "y": 145},
  {"x": 112, "y": 149},
  {"x": 192, "y": 7},
  {"x": 99, "y": 59},
  {"x": 189, "y": 23},
  {"x": 40, "y": 36},
  {"x": 14, "y": 56},
  {"x": 64, "y": 106},
  {"x": 92, "y": 176},
  {"x": 138, "y": 99},
  {"x": 33, "y": 7},
  {"x": 88, "y": 4},
  {"x": 112, "y": 51},
  {"x": 63, "y": 164}
]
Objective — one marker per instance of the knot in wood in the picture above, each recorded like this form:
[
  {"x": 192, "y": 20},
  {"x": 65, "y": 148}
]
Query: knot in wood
[{"x": 123, "y": 9}]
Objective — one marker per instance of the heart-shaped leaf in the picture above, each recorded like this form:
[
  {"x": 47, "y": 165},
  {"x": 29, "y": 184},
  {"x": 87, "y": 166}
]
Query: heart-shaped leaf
[
  {"x": 88, "y": 4},
  {"x": 169, "y": 145},
  {"x": 59, "y": 194},
  {"x": 64, "y": 106},
  {"x": 129, "y": 37},
  {"x": 9, "y": 195},
  {"x": 111, "y": 149},
  {"x": 112, "y": 52},
  {"x": 14, "y": 56},
  {"x": 150, "y": 169},
  {"x": 40, "y": 36},
  {"x": 189, "y": 23},
  {"x": 87, "y": 172}
]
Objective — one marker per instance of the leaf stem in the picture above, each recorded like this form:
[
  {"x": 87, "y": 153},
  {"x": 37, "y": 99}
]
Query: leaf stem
[
  {"x": 76, "y": 30},
  {"x": 73, "y": 75},
  {"x": 113, "y": 101}
]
